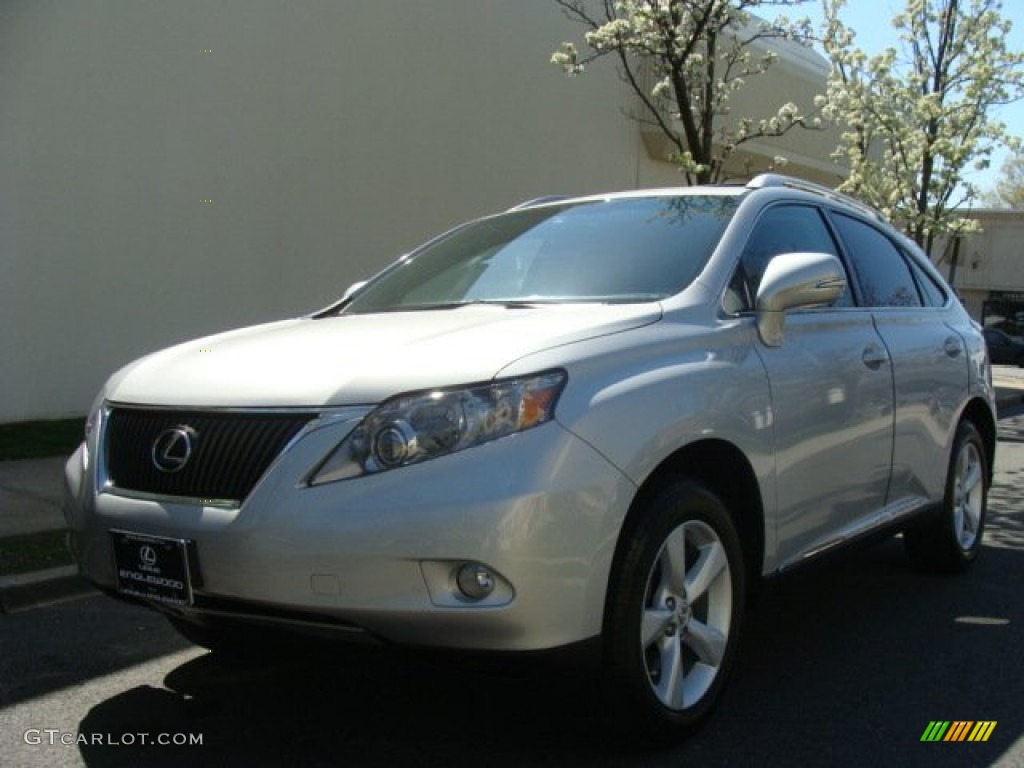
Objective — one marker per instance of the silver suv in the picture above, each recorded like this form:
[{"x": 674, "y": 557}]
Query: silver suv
[{"x": 598, "y": 418}]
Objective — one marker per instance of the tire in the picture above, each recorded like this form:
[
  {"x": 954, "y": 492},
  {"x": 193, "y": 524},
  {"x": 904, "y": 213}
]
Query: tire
[
  {"x": 948, "y": 542},
  {"x": 673, "y": 616}
]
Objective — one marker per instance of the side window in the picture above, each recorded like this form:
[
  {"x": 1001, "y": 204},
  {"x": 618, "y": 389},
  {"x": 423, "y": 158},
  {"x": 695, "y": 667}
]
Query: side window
[
  {"x": 931, "y": 291},
  {"x": 780, "y": 229},
  {"x": 882, "y": 272}
]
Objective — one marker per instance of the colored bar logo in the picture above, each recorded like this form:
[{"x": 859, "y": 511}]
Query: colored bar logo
[{"x": 958, "y": 730}]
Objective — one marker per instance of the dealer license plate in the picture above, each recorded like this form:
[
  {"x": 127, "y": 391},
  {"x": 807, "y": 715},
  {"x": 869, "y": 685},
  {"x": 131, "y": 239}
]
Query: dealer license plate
[{"x": 152, "y": 567}]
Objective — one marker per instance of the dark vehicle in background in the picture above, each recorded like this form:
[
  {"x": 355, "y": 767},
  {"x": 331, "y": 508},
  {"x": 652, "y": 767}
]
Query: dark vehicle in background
[{"x": 1004, "y": 349}]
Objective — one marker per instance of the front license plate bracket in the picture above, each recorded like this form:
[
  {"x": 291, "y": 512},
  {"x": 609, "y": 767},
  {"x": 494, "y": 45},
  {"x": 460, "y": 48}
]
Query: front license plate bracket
[{"x": 153, "y": 567}]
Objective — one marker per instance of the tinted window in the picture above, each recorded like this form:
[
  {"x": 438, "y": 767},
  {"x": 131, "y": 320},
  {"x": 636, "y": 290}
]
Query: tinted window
[
  {"x": 780, "y": 229},
  {"x": 627, "y": 250},
  {"x": 883, "y": 275},
  {"x": 931, "y": 292}
]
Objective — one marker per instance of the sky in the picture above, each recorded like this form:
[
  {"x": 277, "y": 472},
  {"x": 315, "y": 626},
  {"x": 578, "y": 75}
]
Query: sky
[{"x": 870, "y": 20}]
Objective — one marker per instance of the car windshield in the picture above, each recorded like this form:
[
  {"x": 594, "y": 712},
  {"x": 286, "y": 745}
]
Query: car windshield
[{"x": 608, "y": 251}]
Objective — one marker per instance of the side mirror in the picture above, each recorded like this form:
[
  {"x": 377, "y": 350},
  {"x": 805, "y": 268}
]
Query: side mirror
[
  {"x": 352, "y": 289},
  {"x": 795, "y": 281}
]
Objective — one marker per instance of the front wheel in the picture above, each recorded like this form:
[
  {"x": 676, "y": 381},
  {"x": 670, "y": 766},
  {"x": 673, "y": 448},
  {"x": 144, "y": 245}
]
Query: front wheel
[
  {"x": 673, "y": 616},
  {"x": 949, "y": 541}
]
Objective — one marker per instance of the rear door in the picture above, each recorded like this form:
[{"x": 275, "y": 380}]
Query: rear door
[{"x": 914, "y": 315}]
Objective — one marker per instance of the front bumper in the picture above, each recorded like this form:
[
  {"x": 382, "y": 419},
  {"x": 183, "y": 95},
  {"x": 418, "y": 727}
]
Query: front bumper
[{"x": 377, "y": 554}]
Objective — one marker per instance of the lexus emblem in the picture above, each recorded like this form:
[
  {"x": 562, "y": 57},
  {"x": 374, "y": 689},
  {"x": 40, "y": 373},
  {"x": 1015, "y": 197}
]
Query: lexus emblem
[
  {"x": 173, "y": 448},
  {"x": 147, "y": 555}
]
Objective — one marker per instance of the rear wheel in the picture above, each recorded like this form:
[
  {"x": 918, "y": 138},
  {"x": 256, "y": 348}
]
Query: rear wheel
[
  {"x": 949, "y": 541},
  {"x": 674, "y": 615}
]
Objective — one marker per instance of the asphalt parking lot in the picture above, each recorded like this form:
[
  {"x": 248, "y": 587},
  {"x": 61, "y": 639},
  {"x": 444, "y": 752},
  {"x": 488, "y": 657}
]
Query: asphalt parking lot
[{"x": 844, "y": 664}]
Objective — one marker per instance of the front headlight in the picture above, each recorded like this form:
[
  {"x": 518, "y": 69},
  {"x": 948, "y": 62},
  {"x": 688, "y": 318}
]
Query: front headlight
[{"x": 412, "y": 428}]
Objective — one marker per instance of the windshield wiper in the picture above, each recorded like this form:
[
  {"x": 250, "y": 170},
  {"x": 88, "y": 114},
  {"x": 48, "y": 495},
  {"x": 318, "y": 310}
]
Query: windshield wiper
[{"x": 443, "y": 305}]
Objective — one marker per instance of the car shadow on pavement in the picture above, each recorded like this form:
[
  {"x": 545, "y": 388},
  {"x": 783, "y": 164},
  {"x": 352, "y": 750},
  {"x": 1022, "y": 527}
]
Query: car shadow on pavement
[
  {"x": 1005, "y": 523},
  {"x": 1011, "y": 431},
  {"x": 40, "y": 655},
  {"x": 842, "y": 664}
]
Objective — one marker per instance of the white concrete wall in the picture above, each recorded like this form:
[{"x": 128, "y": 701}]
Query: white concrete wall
[
  {"x": 991, "y": 259},
  {"x": 329, "y": 136}
]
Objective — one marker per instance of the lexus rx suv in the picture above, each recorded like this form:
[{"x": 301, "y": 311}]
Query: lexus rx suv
[{"x": 599, "y": 419}]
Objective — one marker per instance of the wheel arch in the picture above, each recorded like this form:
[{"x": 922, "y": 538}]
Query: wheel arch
[
  {"x": 980, "y": 414},
  {"x": 723, "y": 469}
]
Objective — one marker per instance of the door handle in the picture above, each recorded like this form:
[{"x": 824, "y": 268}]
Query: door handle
[
  {"x": 953, "y": 346},
  {"x": 874, "y": 357}
]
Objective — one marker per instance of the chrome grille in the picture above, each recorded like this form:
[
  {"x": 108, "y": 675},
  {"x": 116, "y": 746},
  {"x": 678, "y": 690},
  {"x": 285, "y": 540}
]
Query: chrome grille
[{"x": 230, "y": 451}]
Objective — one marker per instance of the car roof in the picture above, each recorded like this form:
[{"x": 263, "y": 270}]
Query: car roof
[{"x": 764, "y": 181}]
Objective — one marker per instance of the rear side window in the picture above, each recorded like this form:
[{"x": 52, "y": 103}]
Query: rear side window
[
  {"x": 780, "y": 229},
  {"x": 931, "y": 292},
  {"x": 883, "y": 274}
]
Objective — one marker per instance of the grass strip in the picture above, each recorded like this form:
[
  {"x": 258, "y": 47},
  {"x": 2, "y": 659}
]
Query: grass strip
[
  {"x": 39, "y": 439},
  {"x": 33, "y": 552}
]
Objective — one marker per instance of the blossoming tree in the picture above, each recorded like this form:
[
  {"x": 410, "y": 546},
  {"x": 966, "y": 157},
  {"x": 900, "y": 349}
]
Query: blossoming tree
[
  {"x": 916, "y": 118},
  {"x": 1009, "y": 188},
  {"x": 684, "y": 59}
]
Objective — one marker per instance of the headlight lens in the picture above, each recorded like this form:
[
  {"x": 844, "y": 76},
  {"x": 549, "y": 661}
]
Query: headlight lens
[{"x": 409, "y": 429}]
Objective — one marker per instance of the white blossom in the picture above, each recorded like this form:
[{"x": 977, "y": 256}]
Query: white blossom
[
  {"x": 913, "y": 120},
  {"x": 567, "y": 57},
  {"x": 685, "y": 59}
]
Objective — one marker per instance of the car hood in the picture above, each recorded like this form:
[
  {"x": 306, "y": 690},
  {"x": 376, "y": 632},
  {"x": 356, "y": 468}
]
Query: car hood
[{"x": 359, "y": 359}]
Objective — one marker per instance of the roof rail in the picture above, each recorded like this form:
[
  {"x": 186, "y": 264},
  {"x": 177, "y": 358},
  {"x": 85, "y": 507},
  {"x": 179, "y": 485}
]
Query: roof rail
[
  {"x": 538, "y": 201},
  {"x": 766, "y": 180}
]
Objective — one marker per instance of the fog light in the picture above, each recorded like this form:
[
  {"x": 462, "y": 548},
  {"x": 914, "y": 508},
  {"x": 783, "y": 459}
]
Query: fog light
[{"x": 475, "y": 581}]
